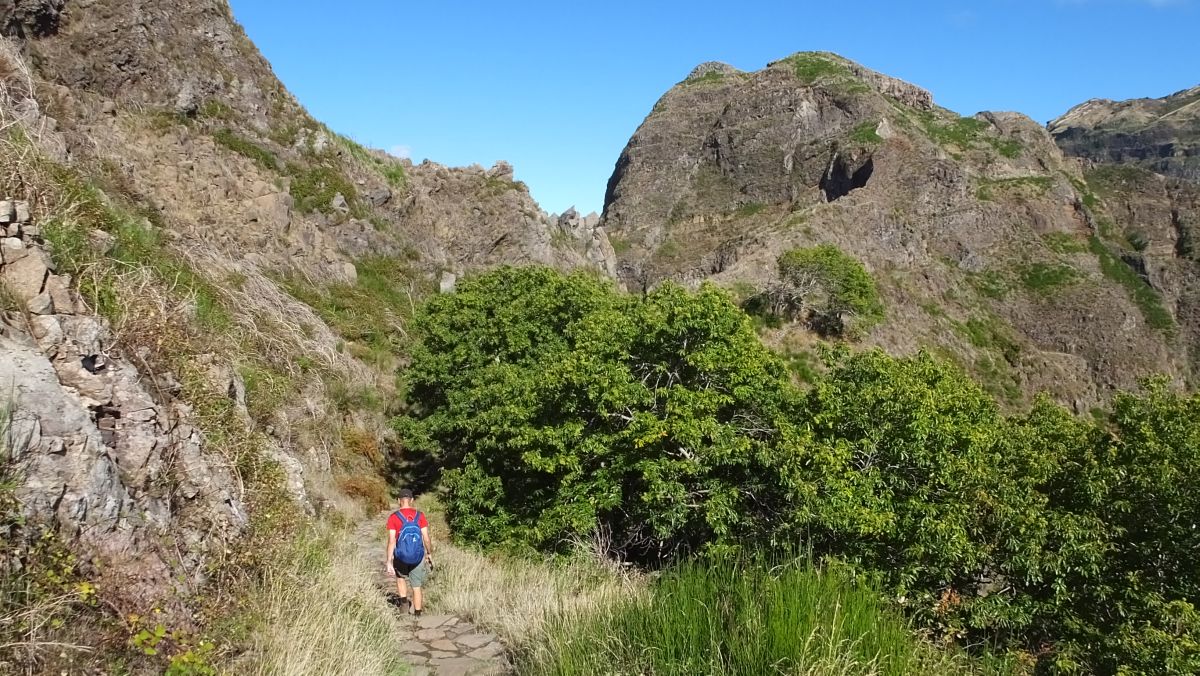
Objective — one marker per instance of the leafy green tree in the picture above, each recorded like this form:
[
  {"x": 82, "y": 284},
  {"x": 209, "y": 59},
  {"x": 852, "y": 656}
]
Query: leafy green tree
[
  {"x": 571, "y": 411},
  {"x": 827, "y": 288}
]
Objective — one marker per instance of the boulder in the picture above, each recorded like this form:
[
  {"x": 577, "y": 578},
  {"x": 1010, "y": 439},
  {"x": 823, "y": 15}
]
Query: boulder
[{"x": 26, "y": 276}]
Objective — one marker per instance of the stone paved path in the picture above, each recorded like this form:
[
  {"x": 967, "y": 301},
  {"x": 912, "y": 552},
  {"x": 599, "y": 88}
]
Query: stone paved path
[{"x": 436, "y": 644}]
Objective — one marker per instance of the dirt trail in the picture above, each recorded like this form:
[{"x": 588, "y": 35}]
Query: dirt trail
[{"x": 437, "y": 644}]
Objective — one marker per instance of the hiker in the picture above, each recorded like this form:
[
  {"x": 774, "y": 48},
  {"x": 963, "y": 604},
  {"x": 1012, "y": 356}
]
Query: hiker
[{"x": 409, "y": 550}]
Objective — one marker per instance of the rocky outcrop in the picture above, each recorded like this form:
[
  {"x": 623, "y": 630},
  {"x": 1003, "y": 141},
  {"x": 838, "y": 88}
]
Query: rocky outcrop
[
  {"x": 731, "y": 169},
  {"x": 106, "y": 456},
  {"x": 1162, "y": 135}
]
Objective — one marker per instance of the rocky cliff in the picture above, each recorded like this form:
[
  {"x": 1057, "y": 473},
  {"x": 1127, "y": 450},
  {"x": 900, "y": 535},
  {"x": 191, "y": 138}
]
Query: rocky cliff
[
  {"x": 1162, "y": 135},
  {"x": 1141, "y": 160},
  {"x": 982, "y": 236}
]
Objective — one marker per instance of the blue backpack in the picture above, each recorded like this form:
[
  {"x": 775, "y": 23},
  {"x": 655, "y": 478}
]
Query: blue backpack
[{"x": 410, "y": 546}]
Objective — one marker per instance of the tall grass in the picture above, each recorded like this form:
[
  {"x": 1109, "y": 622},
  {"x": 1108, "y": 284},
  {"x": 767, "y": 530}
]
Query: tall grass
[
  {"x": 323, "y": 615},
  {"x": 514, "y": 596},
  {"x": 745, "y": 617}
]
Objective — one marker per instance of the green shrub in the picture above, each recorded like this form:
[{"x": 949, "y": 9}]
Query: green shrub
[
  {"x": 563, "y": 407},
  {"x": 373, "y": 311},
  {"x": 1064, "y": 243},
  {"x": 827, "y": 287},
  {"x": 811, "y": 66},
  {"x": 709, "y": 78}
]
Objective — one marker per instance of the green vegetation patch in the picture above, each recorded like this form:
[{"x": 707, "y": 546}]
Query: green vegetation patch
[
  {"x": 813, "y": 67},
  {"x": 391, "y": 170},
  {"x": 1045, "y": 278},
  {"x": 561, "y": 408},
  {"x": 314, "y": 188},
  {"x": 262, "y": 157},
  {"x": 373, "y": 312},
  {"x": 731, "y": 616},
  {"x": 1148, "y": 300},
  {"x": 1030, "y": 186},
  {"x": 1114, "y": 179},
  {"x": 498, "y": 185},
  {"x": 866, "y": 133},
  {"x": 966, "y": 133},
  {"x": 712, "y": 77},
  {"x": 1064, "y": 243}
]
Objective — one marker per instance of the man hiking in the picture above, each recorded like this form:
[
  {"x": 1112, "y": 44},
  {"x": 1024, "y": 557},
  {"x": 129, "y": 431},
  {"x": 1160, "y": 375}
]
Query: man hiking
[{"x": 409, "y": 551}]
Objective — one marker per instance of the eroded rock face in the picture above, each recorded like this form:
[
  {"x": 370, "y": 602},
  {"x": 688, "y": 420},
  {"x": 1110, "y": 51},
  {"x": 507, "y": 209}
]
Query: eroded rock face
[
  {"x": 731, "y": 169},
  {"x": 1162, "y": 135},
  {"x": 116, "y": 470}
]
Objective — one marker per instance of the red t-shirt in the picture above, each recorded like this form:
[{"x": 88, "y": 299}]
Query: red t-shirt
[{"x": 408, "y": 512}]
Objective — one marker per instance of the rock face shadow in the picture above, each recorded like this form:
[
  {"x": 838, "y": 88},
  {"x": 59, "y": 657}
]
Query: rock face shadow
[{"x": 842, "y": 177}]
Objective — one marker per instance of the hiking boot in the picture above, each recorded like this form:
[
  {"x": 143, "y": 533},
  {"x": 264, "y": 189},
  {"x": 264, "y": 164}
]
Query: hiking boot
[{"x": 416, "y": 613}]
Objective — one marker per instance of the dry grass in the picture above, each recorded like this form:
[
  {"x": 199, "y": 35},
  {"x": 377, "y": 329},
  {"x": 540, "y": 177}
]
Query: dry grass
[
  {"x": 517, "y": 597},
  {"x": 324, "y": 616}
]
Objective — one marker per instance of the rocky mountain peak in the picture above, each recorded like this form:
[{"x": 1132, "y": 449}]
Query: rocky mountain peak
[{"x": 1162, "y": 135}]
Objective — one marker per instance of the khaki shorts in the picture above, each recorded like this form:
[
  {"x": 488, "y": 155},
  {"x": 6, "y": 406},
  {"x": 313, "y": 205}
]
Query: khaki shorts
[{"x": 415, "y": 574}]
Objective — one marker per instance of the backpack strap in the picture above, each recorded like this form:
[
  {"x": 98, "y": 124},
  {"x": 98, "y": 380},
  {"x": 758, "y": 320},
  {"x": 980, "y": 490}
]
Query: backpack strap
[{"x": 404, "y": 521}]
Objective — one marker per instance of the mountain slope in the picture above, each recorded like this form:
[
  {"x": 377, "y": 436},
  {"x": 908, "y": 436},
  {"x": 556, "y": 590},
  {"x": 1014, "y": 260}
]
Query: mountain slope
[
  {"x": 1162, "y": 135},
  {"x": 974, "y": 228}
]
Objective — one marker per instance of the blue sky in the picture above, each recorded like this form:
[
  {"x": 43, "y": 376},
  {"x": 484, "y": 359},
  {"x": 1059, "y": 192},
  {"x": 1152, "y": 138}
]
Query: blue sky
[{"x": 558, "y": 88}]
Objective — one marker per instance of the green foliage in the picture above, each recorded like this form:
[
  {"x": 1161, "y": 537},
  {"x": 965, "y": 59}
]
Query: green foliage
[
  {"x": 314, "y": 187},
  {"x": 137, "y": 242},
  {"x": 373, "y": 312},
  {"x": 1143, "y": 295},
  {"x": 961, "y": 131},
  {"x": 1010, "y": 148},
  {"x": 1045, "y": 278},
  {"x": 619, "y": 244},
  {"x": 562, "y": 407},
  {"x": 990, "y": 333},
  {"x": 1021, "y": 186},
  {"x": 563, "y": 410},
  {"x": 866, "y": 133},
  {"x": 1064, "y": 243},
  {"x": 810, "y": 67},
  {"x": 832, "y": 288},
  {"x": 261, "y": 156},
  {"x": 498, "y": 185},
  {"x": 991, "y": 284},
  {"x": 1111, "y": 179},
  {"x": 733, "y": 616},
  {"x": 966, "y": 133}
]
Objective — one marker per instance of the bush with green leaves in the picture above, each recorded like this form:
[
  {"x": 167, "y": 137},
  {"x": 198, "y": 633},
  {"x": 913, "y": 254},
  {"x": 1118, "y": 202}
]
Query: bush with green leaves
[
  {"x": 563, "y": 410},
  {"x": 827, "y": 288}
]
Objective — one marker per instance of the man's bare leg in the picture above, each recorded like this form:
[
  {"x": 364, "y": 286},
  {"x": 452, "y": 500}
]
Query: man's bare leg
[
  {"x": 416, "y": 599},
  {"x": 401, "y": 589}
]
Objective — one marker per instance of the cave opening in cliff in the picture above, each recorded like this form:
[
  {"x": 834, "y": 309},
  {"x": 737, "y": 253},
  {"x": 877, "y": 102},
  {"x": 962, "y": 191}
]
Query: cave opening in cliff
[{"x": 841, "y": 177}]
